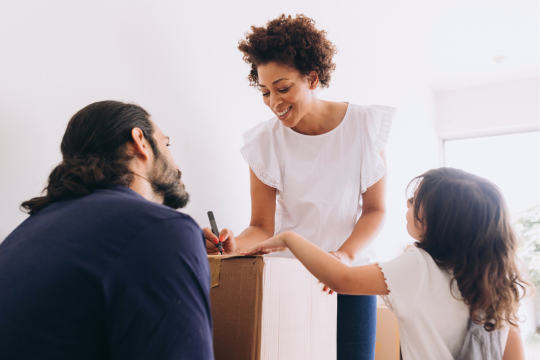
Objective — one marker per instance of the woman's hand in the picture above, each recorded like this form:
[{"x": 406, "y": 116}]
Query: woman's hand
[
  {"x": 344, "y": 258},
  {"x": 226, "y": 236},
  {"x": 274, "y": 244}
]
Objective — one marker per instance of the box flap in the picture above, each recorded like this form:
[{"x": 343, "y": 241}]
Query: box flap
[{"x": 215, "y": 266}]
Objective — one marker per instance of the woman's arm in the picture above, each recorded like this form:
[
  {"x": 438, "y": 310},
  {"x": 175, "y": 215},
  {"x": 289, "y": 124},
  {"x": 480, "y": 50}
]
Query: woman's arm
[
  {"x": 263, "y": 212},
  {"x": 370, "y": 223},
  {"x": 514, "y": 345},
  {"x": 361, "y": 280},
  {"x": 261, "y": 227}
]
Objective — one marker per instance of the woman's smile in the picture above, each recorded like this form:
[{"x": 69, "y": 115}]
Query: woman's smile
[{"x": 282, "y": 114}]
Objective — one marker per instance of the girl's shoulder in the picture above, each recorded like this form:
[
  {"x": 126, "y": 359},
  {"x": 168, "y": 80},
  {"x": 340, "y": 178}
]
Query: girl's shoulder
[
  {"x": 429, "y": 265},
  {"x": 421, "y": 253}
]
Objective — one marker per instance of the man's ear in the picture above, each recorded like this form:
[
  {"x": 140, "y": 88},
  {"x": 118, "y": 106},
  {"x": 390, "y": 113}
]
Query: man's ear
[{"x": 140, "y": 146}]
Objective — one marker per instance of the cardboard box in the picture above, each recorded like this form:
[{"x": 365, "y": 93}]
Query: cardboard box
[
  {"x": 269, "y": 308},
  {"x": 387, "y": 341}
]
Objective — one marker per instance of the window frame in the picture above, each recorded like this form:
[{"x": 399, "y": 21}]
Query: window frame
[{"x": 510, "y": 130}]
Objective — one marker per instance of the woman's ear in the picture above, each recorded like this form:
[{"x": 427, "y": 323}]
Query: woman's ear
[
  {"x": 313, "y": 79},
  {"x": 140, "y": 146}
]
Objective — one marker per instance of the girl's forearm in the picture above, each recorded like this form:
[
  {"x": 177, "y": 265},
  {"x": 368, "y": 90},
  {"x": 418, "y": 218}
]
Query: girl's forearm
[
  {"x": 322, "y": 265},
  {"x": 361, "y": 280}
]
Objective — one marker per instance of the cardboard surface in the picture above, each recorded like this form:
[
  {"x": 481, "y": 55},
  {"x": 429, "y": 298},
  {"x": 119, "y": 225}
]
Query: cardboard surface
[
  {"x": 269, "y": 308},
  {"x": 387, "y": 341}
]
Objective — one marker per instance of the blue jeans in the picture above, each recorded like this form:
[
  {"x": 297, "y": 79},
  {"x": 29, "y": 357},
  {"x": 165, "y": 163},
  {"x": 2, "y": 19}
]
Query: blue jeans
[{"x": 356, "y": 327}]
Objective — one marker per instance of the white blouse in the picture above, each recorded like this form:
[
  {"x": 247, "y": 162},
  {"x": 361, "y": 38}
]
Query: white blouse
[
  {"x": 432, "y": 317},
  {"x": 320, "y": 179}
]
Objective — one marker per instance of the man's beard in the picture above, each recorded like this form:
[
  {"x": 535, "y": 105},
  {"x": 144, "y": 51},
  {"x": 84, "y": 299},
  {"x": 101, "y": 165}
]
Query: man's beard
[{"x": 165, "y": 181}]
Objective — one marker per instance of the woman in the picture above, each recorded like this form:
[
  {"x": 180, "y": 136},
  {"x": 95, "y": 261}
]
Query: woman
[{"x": 316, "y": 168}]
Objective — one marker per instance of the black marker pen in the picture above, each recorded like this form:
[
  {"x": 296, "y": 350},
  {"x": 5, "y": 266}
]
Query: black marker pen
[{"x": 215, "y": 230}]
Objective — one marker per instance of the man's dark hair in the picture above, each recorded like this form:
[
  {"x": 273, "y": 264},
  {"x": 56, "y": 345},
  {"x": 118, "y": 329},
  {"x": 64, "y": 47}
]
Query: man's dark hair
[{"x": 94, "y": 152}]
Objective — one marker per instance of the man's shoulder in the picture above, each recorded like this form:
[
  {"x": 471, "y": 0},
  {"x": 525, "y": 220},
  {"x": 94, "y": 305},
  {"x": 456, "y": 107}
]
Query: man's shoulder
[
  {"x": 153, "y": 233},
  {"x": 126, "y": 203},
  {"x": 115, "y": 211},
  {"x": 133, "y": 208},
  {"x": 112, "y": 217}
]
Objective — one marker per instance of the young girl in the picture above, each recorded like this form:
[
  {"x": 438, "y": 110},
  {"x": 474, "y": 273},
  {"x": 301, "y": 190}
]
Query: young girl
[{"x": 463, "y": 266}]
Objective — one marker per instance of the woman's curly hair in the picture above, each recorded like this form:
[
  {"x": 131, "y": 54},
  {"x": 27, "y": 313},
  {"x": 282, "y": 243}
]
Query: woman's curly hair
[{"x": 293, "y": 42}]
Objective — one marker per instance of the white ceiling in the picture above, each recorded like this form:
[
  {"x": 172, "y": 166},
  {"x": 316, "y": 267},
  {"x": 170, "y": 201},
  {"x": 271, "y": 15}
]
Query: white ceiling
[
  {"x": 464, "y": 37},
  {"x": 447, "y": 43}
]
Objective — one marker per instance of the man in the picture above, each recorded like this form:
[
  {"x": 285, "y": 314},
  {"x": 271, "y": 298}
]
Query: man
[{"x": 105, "y": 268}]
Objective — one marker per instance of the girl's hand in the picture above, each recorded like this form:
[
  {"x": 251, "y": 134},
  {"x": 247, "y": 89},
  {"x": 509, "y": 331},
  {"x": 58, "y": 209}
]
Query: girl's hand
[
  {"x": 344, "y": 258},
  {"x": 275, "y": 244},
  {"x": 227, "y": 238}
]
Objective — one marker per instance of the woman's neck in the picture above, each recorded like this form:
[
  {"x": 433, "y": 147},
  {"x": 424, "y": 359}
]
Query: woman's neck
[{"x": 323, "y": 117}]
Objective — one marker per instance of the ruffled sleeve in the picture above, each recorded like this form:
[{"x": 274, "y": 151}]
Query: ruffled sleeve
[
  {"x": 260, "y": 153},
  {"x": 405, "y": 279},
  {"x": 376, "y": 128}
]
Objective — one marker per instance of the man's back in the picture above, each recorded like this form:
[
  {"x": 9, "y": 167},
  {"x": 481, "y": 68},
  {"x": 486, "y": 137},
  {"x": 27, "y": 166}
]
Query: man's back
[{"x": 106, "y": 276}]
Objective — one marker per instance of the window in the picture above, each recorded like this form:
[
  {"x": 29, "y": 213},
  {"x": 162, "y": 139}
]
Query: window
[{"x": 512, "y": 162}]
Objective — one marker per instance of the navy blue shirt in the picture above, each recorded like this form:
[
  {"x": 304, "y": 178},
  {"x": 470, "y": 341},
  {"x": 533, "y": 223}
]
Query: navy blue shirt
[{"x": 106, "y": 276}]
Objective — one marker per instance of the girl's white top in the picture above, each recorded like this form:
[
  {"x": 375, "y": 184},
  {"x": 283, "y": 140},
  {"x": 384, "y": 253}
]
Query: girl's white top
[
  {"x": 320, "y": 179},
  {"x": 432, "y": 318}
]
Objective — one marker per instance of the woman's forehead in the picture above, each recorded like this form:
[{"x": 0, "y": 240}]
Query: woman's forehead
[{"x": 272, "y": 72}]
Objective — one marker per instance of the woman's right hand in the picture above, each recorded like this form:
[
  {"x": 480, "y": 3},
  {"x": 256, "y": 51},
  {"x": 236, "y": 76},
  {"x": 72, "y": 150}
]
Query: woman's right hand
[{"x": 226, "y": 236}]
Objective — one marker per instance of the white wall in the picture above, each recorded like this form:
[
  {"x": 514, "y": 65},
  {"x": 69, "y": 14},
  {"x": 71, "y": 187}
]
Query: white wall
[
  {"x": 179, "y": 61},
  {"x": 489, "y": 107}
]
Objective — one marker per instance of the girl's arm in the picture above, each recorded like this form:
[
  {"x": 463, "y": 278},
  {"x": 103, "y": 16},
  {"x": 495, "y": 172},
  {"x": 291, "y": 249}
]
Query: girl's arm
[
  {"x": 514, "y": 346},
  {"x": 369, "y": 224},
  {"x": 361, "y": 280},
  {"x": 261, "y": 227}
]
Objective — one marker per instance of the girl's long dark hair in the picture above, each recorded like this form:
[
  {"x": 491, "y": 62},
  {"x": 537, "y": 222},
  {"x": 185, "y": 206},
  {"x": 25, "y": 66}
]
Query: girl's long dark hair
[
  {"x": 467, "y": 230},
  {"x": 94, "y": 152}
]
